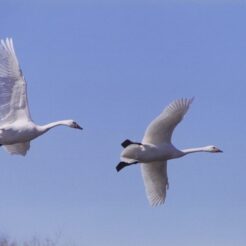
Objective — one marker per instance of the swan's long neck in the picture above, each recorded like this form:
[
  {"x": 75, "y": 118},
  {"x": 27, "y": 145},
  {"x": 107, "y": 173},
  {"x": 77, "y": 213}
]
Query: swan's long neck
[
  {"x": 47, "y": 127},
  {"x": 194, "y": 150}
]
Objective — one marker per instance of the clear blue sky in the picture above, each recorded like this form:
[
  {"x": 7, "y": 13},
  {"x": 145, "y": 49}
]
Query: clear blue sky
[{"x": 113, "y": 66}]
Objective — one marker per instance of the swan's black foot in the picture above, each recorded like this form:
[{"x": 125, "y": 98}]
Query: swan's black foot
[
  {"x": 122, "y": 164},
  {"x": 128, "y": 142}
]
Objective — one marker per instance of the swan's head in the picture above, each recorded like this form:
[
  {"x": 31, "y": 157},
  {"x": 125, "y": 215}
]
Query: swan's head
[
  {"x": 213, "y": 149},
  {"x": 73, "y": 124}
]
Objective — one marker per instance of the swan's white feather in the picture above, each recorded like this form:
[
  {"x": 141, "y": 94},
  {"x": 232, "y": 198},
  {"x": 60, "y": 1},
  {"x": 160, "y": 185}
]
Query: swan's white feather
[
  {"x": 155, "y": 181},
  {"x": 161, "y": 128},
  {"x": 18, "y": 148},
  {"x": 16, "y": 126},
  {"x": 13, "y": 96},
  {"x": 156, "y": 148}
]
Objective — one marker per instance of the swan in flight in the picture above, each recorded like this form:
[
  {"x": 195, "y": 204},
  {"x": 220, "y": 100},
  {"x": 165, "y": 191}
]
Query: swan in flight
[
  {"x": 156, "y": 148},
  {"x": 16, "y": 126}
]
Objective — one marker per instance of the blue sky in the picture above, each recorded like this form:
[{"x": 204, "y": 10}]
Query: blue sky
[{"x": 113, "y": 66}]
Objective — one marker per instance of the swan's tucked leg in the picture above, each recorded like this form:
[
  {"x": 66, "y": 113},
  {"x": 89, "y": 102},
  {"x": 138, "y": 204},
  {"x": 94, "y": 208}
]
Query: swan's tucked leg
[
  {"x": 122, "y": 164},
  {"x": 128, "y": 142}
]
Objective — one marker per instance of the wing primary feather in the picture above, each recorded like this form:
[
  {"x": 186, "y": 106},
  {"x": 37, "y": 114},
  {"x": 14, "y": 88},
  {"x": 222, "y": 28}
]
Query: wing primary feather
[
  {"x": 161, "y": 128},
  {"x": 155, "y": 181},
  {"x": 13, "y": 96}
]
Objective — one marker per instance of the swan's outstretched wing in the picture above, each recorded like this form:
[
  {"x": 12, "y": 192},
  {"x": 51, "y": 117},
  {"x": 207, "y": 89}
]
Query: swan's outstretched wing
[
  {"x": 13, "y": 97},
  {"x": 161, "y": 128},
  {"x": 18, "y": 148},
  {"x": 155, "y": 181}
]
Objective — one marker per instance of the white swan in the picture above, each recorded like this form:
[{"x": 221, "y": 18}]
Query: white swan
[
  {"x": 156, "y": 148},
  {"x": 16, "y": 125}
]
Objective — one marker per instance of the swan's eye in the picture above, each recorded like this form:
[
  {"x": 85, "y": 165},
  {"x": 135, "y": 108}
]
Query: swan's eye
[{"x": 214, "y": 149}]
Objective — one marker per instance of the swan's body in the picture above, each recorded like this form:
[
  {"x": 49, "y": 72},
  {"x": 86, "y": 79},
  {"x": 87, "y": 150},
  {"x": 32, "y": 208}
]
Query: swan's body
[
  {"x": 16, "y": 126},
  {"x": 156, "y": 148}
]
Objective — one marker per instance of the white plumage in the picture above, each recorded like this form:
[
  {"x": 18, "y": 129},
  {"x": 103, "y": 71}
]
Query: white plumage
[
  {"x": 156, "y": 148},
  {"x": 16, "y": 126}
]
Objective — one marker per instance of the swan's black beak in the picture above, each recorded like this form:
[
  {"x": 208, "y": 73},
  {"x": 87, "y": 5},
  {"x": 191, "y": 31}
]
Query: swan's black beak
[
  {"x": 219, "y": 151},
  {"x": 78, "y": 127}
]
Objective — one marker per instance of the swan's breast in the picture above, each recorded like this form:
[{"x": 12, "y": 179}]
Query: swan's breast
[
  {"x": 149, "y": 152},
  {"x": 18, "y": 132},
  {"x": 162, "y": 152}
]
